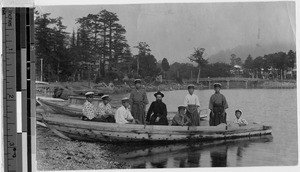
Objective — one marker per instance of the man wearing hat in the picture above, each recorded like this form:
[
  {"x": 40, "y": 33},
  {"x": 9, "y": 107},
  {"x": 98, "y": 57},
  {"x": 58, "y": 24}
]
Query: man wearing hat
[
  {"x": 157, "y": 112},
  {"x": 89, "y": 110},
  {"x": 191, "y": 102},
  {"x": 138, "y": 100},
  {"x": 123, "y": 115},
  {"x": 217, "y": 105},
  {"x": 180, "y": 119},
  {"x": 105, "y": 110}
]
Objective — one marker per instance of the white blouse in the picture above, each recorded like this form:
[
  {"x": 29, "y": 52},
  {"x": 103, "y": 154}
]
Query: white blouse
[{"x": 191, "y": 100}]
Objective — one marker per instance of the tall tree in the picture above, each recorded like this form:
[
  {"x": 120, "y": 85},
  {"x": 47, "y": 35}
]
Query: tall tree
[
  {"x": 165, "y": 65},
  {"x": 232, "y": 60},
  {"x": 146, "y": 62},
  {"x": 51, "y": 46},
  {"x": 248, "y": 65},
  {"x": 291, "y": 59},
  {"x": 197, "y": 57},
  {"x": 143, "y": 50}
]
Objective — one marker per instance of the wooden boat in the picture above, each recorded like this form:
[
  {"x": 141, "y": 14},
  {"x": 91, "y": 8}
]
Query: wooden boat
[
  {"x": 46, "y": 89},
  {"x": 74, "y": 128},
  {"x": 73, "y": 107},
  {"x": 62, "y": 107}
]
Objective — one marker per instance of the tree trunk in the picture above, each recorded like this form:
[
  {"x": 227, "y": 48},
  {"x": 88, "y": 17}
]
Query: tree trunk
[
  {"x": 138, "y": 66},
  {"x": 198, "y": 77},
  {"x": 110, "y": 42},
  {"x": 89, "y": 77}
]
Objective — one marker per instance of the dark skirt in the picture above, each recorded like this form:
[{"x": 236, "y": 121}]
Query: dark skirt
[
  {"x": 138, "y": 112},
  {"x": 192, "y": 113},
  {"x": 217, "y": 116}
]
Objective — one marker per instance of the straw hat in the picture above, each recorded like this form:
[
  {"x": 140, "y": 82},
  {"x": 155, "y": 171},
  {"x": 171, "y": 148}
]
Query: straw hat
[
  {"x": 181, "y": 107},
  {"x": 89, "y": 93},
  {"x": 191, "y": 85},
  {"x": 238, "y": 111},
  {"x": 125, "y": 99},
  {"x": 104, "y": 96},
  {"x": 217, "y": 85}
]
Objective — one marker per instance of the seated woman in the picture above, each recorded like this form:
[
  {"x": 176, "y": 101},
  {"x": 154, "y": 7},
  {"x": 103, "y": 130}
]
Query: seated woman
[{"x": 181, "y": 119}]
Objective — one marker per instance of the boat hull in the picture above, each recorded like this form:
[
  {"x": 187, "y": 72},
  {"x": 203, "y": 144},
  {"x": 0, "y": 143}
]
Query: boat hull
[{"x": 76, "y": 129}]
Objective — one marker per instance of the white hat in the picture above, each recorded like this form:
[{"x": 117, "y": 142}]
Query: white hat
[
  {"x": 217, "y": 85},
  {"x": 191, "y": 85},
  {"x": 104, "y": 96},
  {"x": 89, "y": 93},
  {"x": 125, "y": 99},
  {"x": 181, "y": 106}
]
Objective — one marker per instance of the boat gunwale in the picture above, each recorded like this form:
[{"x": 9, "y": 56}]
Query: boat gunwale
[{"x": 150, "y": 129}]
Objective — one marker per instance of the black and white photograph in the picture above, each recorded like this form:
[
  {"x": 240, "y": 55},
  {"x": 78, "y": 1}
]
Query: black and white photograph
[{"x": 166, "y": 85}]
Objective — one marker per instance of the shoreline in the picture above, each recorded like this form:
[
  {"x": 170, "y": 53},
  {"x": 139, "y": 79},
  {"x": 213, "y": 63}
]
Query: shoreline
[
  {"x": 54, "y": 153},
  {"x": 80, "y": 88}
]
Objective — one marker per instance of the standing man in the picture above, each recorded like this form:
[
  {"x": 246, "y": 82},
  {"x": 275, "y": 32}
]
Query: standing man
[
  {"x": 192, "y": 103},
  {"x": 157, "y": 112},
  {"x": 217, "y": 105},
  {"x": 138, "y": 100}
]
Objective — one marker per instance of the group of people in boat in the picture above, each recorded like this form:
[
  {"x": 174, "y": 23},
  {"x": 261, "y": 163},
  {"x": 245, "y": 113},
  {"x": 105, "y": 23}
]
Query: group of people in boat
[{"x": 133, "y": 109}]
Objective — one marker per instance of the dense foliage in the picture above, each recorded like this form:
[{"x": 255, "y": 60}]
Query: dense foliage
[{"x": 98, "y": 51}]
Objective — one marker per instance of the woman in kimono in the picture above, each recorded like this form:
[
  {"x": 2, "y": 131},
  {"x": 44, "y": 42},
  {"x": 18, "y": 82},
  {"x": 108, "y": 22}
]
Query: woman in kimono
[
  {"x": 138, "y": 101},
  {"x": 217, "y": 105},
  {"x": 192, "y": 104}
]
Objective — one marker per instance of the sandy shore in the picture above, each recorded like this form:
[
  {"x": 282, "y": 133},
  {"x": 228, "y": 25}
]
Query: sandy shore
[{"x": 54, "y": 153}]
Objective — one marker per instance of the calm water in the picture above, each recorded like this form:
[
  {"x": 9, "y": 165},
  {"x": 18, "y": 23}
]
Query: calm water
[{"x": 275, "y": 107}]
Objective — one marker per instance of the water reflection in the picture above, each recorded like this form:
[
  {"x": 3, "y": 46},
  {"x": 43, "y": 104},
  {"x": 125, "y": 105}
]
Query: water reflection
[
  {"x": 214, "y": 154},
  {"x": 219, "y": 156}
]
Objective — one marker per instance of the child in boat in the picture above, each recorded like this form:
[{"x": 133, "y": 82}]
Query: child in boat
[
  {"x": 123, "y": 114},
  {"x": 180, "y": 119},
  {"x": 240, "y": 121}
]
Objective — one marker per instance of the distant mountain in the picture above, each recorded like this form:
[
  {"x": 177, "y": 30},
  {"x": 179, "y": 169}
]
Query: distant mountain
[{"x": 244, "y": 50}]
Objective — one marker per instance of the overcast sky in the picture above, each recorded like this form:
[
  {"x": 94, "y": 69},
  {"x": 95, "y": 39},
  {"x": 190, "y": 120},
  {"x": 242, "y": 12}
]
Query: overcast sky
[{"x": 174, "y": 30}]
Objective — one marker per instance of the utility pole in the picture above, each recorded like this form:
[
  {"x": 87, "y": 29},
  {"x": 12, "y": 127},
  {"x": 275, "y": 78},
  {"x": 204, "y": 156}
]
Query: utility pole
[{"x": 41, "y": 69}]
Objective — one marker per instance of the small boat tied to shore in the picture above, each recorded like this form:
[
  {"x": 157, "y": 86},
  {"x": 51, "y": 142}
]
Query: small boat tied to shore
[{"x": 73, "y": 128}]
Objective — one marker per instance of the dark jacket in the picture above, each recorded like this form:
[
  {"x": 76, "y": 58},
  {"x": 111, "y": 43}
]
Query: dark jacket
[{"x": 157, "y": 109}]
